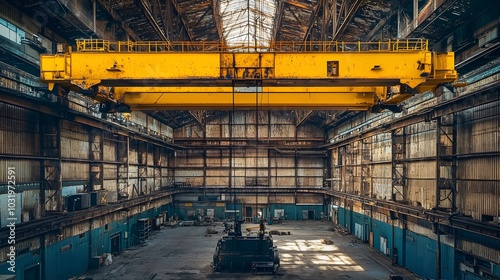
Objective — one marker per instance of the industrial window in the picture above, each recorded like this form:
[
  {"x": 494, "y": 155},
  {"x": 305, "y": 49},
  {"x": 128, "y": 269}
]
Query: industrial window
[
  {"x": 10, "y": 31},
  {"x": 66, "y": 248},
  {"x": 332, "y": 68},
  {"x": 106, "y": 227}
]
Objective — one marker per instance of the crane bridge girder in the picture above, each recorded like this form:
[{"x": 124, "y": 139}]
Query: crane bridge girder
[{"x": 159, "y": 75}]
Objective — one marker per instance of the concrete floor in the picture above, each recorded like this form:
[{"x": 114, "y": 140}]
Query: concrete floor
[{"x": 186, "y": 253}]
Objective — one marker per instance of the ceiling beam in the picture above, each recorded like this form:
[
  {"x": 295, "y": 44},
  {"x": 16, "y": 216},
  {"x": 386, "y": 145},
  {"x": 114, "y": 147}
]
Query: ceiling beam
[
  {"x": 151, "y": 19},
  {"x": 325, "y": 20},
  {"x": 379, "y": 25},
  {"x": 348, "y": 17},
  {"x": 278, "y": 18},
  {"x": 183, "y": 20},
  {"x": 301, "y": 116},
  {"x": 163, "y": 18},
  {"x": 198, "y": 116},
  {"x": 312, "y": 18},
  {"x": 105, "y": 4}
]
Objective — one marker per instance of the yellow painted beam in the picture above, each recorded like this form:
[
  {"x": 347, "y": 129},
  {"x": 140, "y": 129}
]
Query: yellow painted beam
[
  {"x": 298, "y": 69},
  {"x": 358, "y": 98},
  {"x": 147, "y": 75},
  {"x": 264, "y": 100}
]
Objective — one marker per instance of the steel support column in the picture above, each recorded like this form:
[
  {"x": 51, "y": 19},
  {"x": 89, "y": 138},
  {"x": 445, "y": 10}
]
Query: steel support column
[
  {"x": 446, "y": 163},
  {"x": 122, "y": 169},
  {"x": 51, "y": 183},
  {"x": 366, "y": 170},
  {"x": 399, "y": 165},
  {"x": 96, "y": 157}
]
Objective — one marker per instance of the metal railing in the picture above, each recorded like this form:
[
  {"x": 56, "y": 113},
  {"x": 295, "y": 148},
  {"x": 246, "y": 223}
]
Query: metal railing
[{"x": 95, "y": 45}]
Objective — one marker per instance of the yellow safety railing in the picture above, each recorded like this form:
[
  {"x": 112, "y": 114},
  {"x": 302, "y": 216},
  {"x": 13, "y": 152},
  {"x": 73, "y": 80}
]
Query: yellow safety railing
[{"x": 96, "y": 45}]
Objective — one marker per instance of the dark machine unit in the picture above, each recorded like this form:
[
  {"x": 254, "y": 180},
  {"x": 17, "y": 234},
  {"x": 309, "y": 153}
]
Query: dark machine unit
[
  {"x": 235, "y": 252},
  {"x": 78, "y": 201},
  {"x": 98, "y": 198}
]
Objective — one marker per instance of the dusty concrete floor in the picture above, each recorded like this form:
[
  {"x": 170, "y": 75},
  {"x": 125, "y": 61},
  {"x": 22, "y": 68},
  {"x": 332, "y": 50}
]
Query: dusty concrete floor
[{"x": 186, "y": 253}]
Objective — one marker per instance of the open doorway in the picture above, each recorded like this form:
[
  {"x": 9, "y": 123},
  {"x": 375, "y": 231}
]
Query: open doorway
[
  {"x": 311, "y": 215},
  {"x": 32, "y": 273},
  {"x": 115, "y": 243}
]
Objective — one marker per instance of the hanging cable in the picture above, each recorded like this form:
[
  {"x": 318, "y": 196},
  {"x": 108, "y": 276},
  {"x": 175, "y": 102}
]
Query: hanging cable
[
  {"x": 231, "y": 175},
  {"x": 257, "y": 146}
]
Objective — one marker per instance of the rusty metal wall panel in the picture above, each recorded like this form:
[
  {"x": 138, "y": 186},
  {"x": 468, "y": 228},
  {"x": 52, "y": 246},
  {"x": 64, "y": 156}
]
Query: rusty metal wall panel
[
  {"x": 71, "y": 148},
  {"x": 285, "y": 172},
  {"x": 310, "y": 182},
  {"x": 19, "y": 131},
  {"x": 30, "y": 205},
  {"x": 479, "y": 250},
  {"x": 421, "y": 140},
  {"x": 422, "y": 193},
  {"x": 213, "y": 130},
  {"x": 26, "y": 170},
  {"x": 310, "y": 172},
  {"x": 139, "y": 118},
  {"x": 282, "y": 131},
  {"x": 223, "y": 172},
  {"x": 309, "y": 198},
  {"x": 381, "y": 147},
  {"x": 308, "y": 131},
  {"x": 286, "y": 182},
  {"x": 188, "y": 173},
  {"x": 133, "y": 155},
  {"x": 382, "y": 188},
  {"x": 167, "y": 131},
  {"x": 281, "y": 199},
  {"x": 74, "y": 171},
  {"x": 133, "y": 170},
  {"x": 109, "y": 171},
  {"x": 478, "y": 179},
  {"x": 479, "y": 129},
  {"x": 109, "y": 151},
  {"x": 478, "y": 198},
  {"x": 192, "y": 130}
]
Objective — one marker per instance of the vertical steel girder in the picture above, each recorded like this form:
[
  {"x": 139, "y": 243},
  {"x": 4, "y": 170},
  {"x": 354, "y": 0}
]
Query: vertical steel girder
[
  {"x": 366, "y": 170},
  {"x": 122, "y": 169},
  {"x": 51, "y": 185},
  {"x": 399, "y": 165},
  {"x": 96, "y": 157},
  {"x": 446, "y": 163}
]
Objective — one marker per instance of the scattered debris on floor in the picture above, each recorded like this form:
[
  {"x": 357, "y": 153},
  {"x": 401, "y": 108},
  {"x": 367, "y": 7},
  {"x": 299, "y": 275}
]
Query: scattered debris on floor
[
  {"x": 326, "y": 241},
  {"x": 340, "y": 229},
  {"x": 186, "y": 223},
  {"x": 277, "y": 232},
  {"x": 211, "y": 230}
]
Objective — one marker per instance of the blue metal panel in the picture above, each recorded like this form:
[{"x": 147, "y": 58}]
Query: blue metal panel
[
  {"x": 63, "y": 264},
  {"x": 495, "y": 269},
  {"x": 421, "y": 255},
  {"x": 23, "y": 263},
  {"x": 447, "y": 262}
]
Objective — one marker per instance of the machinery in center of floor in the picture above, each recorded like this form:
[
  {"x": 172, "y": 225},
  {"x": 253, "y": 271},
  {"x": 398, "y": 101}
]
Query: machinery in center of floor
[{"x": 235, "y": 252}]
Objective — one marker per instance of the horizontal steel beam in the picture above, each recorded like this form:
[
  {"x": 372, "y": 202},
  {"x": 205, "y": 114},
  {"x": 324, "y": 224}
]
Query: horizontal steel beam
[{"x": 209, "y": 78}]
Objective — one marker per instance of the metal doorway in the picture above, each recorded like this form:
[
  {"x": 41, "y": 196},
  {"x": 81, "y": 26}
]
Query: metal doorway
[{"x": 115, "y": 243}]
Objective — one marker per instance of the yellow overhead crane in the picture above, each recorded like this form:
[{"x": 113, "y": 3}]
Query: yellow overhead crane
[{"x": 284, "y": 75}]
